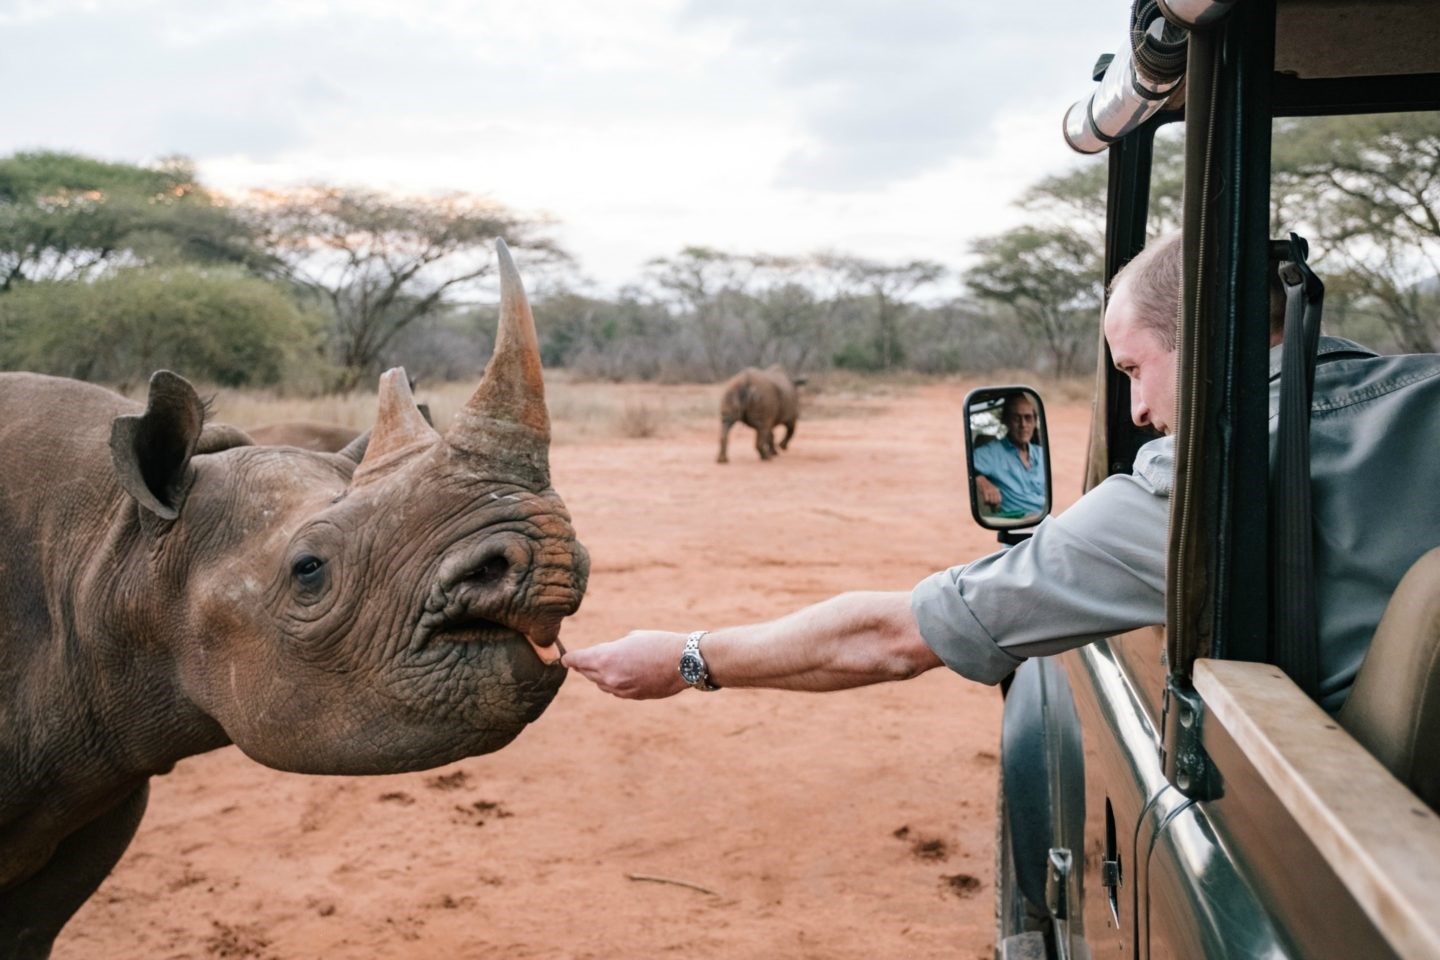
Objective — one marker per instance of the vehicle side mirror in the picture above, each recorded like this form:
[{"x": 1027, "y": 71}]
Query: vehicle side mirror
[{"x": 1007, "y": 457}]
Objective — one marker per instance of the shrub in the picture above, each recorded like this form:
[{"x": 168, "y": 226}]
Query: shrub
[
  {"x": 212, "y": 325},
  {"x": 639, "y": 420}
]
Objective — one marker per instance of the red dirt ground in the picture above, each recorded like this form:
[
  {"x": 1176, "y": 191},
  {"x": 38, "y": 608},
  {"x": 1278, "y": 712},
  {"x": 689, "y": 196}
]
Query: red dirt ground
[{"x": 843, "y": 825}]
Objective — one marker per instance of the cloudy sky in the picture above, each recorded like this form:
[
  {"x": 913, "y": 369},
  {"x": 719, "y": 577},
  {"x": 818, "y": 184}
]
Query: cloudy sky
[{"x": 892, "y": 129}]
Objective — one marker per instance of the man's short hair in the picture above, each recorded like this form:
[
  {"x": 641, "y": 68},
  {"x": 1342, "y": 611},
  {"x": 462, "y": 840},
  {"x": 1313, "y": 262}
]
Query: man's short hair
[
  {"x": 1011, "y": 401},
  {"x": 1153, "y": 278}
]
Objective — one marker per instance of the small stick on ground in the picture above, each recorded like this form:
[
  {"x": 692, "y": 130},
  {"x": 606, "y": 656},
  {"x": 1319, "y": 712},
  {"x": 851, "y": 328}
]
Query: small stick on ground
[{"x": 670, "y": 880}]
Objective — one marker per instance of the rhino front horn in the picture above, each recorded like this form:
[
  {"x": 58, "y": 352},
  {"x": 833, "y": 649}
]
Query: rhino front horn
[
  {"x": 400, "y": 428},
  {"x": 505, "y": 421}
]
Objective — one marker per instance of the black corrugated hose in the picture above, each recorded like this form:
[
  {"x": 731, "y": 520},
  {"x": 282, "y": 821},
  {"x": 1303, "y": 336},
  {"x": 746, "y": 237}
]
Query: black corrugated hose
[{"x": 1159, "y": 59}]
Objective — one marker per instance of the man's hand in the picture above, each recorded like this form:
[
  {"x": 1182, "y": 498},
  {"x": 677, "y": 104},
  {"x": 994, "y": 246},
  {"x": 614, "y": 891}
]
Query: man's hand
[
  {"x": 989, "y": 493},
  {"x": 642, "y": 665}
]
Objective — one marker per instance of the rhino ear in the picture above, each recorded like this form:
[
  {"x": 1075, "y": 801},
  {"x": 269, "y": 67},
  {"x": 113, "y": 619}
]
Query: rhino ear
[{"x": 152, "y": 451}]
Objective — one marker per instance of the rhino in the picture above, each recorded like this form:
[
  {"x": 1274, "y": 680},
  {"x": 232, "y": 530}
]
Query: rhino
[
  {"x": 763, "y": 399},
  {"x": 167, "y": 588},
  {"x": 305, "y": 434},
  {"x": 314, "y": 435}
]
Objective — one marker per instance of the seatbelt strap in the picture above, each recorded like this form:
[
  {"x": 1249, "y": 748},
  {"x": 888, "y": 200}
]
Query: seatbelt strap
[{"x": 1296, "y": 642}]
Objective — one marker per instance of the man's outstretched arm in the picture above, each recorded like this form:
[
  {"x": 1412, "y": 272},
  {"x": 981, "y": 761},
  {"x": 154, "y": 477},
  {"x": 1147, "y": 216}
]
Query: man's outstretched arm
[{"x": 850, "y": 640}]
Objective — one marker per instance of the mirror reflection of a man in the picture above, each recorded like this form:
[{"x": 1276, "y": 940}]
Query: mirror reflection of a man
[{"x": 1010, "y": 472}]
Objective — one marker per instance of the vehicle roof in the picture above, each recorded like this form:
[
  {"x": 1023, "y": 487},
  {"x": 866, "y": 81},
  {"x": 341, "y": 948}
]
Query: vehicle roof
[{"x": 1356, "y": 38}]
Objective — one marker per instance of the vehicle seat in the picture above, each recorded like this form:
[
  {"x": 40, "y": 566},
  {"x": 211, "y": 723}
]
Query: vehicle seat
[{"x": 1394, "y": 708}]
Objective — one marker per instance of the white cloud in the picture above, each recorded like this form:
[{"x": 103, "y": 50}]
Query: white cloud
[{"x": 895, "y": 129}]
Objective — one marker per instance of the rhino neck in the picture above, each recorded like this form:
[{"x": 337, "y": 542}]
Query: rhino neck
[
  {"x": 129, "y": 624},
  {"x": 95, "y": 682},
  {"x": 87, "y": 725}
]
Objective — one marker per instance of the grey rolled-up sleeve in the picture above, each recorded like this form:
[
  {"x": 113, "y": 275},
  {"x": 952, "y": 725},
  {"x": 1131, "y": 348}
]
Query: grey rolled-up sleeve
[{"x": 1096, "y": 570}]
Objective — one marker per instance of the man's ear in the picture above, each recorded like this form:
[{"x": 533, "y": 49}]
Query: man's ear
[{"x": 152, "y": 451}]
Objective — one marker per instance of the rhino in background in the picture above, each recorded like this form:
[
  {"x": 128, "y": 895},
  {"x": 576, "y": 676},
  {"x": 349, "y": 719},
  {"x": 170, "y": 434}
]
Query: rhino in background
[
  {"x": 763, "y": 399},
  {"x": 167, "y": 589},
  {"x": 305, "y": 434},
  {"x": 314, "y": 435}
]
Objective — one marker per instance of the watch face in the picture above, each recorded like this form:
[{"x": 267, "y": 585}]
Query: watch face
[{"x": 692, "y": 668}]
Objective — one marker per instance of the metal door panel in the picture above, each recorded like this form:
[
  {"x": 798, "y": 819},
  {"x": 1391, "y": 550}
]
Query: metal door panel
[{"x": 1122, "y": 774}]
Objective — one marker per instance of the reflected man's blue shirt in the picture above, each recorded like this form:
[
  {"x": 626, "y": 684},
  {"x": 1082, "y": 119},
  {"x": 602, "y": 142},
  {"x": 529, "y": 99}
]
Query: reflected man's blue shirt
[{"x": 1022, "y": 489}]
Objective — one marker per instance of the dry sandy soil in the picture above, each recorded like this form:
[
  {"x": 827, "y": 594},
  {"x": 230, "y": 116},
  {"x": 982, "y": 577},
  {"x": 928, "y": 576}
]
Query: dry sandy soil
[{"x": 843, "y": 825}]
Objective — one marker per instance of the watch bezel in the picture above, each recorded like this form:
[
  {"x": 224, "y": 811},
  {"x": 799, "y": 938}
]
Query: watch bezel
[{"x": 692, "y": 667}]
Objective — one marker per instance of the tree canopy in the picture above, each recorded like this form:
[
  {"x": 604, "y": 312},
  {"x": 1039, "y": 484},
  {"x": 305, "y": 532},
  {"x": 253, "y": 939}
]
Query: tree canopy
[
  {"x": 106, "y": 267},
  {"x": 378, "y": 263},
  {"x": 1366, "y": 191},
  {"x": 69, "y": 217}
]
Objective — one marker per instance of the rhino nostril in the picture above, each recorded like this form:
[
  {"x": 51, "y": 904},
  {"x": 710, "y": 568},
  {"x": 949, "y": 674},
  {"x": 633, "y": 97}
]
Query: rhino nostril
[{"x": 492, "y": 570}]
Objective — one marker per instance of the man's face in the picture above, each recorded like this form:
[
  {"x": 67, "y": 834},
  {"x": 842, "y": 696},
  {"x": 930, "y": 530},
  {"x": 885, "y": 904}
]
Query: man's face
[
  {"x": 1139, "y": 354},
  {"x": 1020, "y": 421}
]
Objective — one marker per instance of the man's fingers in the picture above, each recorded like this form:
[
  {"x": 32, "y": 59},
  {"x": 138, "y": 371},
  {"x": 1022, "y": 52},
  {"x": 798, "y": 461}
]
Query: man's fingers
[{"x": 642, "y": 665}]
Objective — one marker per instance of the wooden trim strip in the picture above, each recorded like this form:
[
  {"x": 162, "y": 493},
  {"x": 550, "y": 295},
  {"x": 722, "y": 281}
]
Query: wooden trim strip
[{"x": 1380, "y": 839}]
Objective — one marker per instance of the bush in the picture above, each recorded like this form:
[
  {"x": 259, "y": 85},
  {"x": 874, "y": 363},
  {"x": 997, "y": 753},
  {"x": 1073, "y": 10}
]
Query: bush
[
  {"x": 212, "y": 325},
  {"x": 639, "y": 420}
]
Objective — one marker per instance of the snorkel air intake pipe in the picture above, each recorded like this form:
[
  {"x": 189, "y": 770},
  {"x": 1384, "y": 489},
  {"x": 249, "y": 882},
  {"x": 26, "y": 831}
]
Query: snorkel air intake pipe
[
  {"x": 1137, "y": 82},
  {"x": 1195, "y": 14}
]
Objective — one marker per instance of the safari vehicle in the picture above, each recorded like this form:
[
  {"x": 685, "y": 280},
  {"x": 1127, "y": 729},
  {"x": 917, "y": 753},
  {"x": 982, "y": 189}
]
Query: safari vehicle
[{"x": 1172, "y": 792}]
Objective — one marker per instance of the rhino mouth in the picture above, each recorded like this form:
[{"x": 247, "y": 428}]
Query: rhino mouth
[{"x": 473, "y": 631}]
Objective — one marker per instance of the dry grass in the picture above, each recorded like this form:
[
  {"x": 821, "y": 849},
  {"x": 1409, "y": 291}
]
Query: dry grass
[
  {"x": 579, "y": 410},
  {"x": 639, "y": 420},
  {"x": 588, "y": 410},
  {"x": 253, "y": 408}
]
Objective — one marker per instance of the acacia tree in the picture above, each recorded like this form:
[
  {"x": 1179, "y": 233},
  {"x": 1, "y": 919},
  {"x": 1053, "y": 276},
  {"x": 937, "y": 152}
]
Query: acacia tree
[
  {"x": 1368, "y": 190},
  {"x": 379, "y": 263},
  {"x": 1047, "y": 276},
  {"x": 1048, "y": 273},
  {"x": 886, "y": 287},
  {"x": 68, "y": 217},
  {"x": 706, "y": 285},
  {"x": 797, "y": 300},
  {"x": 1077, "y": 197}
]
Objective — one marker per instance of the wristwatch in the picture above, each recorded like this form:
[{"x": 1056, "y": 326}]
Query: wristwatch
[{"x": 692, "y": 666}]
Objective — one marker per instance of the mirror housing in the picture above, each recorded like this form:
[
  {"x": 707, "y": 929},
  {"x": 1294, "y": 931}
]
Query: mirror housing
[{"x": 1010, "y": 484}]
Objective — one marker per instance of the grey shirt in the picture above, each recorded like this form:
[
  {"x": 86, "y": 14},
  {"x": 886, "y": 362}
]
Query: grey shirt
[
  {"x": 1095, "y": 570},
  {"x": 1098, "y": 569}
]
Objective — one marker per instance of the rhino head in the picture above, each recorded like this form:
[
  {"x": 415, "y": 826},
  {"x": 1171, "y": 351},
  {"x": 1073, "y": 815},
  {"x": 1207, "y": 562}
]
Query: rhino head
[{"x": 393, "y": 607}]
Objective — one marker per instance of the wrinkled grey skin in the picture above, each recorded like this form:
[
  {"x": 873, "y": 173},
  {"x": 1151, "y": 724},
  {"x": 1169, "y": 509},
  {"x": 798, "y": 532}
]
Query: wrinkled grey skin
[
  {"x": 763, "y": 399},
  {"x": 165, "y": 591}
]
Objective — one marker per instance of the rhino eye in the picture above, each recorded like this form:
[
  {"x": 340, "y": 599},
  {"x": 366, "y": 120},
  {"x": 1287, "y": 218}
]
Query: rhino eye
[{"x": 309, "y": 571}]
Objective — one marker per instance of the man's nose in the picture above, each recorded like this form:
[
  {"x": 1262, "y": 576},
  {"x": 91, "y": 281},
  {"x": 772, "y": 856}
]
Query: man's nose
[{"x": 1139, "y": 411}]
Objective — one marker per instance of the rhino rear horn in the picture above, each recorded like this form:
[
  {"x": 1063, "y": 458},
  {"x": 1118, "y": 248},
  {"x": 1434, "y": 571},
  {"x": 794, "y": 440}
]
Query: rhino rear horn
[
  {"x": 152, "y": 451},
  {"x": 354, "y": 451},
  {"x": 505, "y": 421},
  {"x": 400, "y": 427}
]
